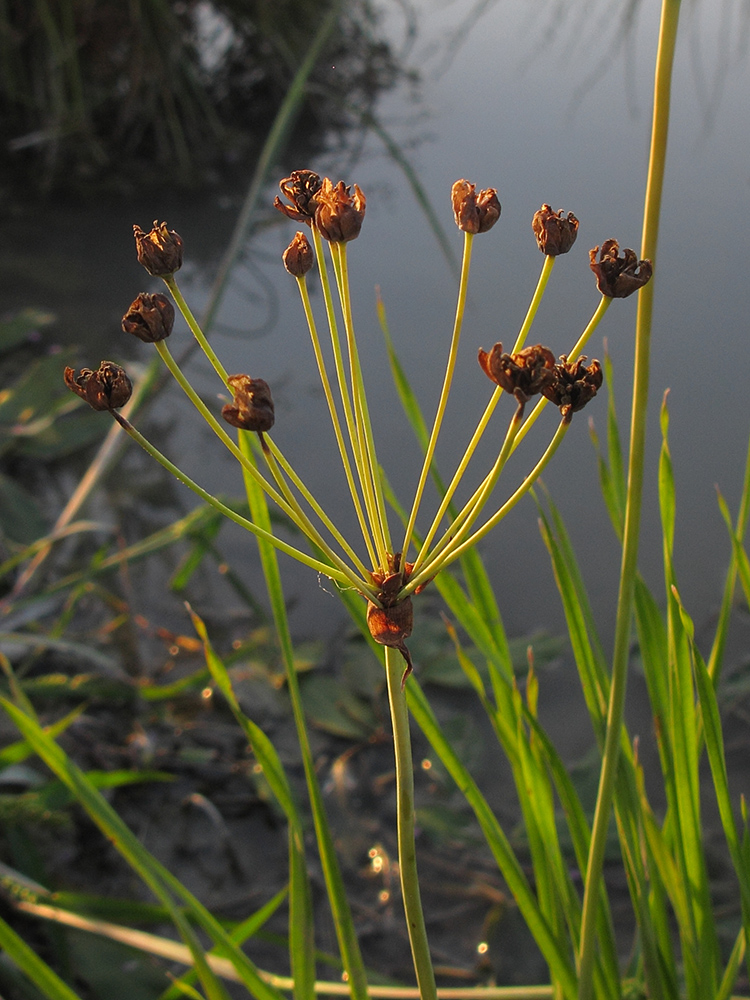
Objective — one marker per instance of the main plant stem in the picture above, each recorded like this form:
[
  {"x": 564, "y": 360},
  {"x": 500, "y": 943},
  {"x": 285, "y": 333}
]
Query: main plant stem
[
  {"x": 407, "y": 852},
  {"x": 654, "y": 186}
]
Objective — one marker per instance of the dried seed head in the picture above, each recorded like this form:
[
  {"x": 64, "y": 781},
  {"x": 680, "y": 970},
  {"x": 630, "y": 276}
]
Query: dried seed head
[
  {"x": 574, "y": 385},
  {"x": 523, "y": 374},
  {"x": 150, "y": 317},
  {"x": 160, "y": 250},
  {"x": 107, "y": 388},
  {"x": 474, "y": 213},
  {"x": 298, "y": 257},
  {"x": 252, "y": 409},
  {"x": 554, "y": 234},
  {"x": 617, "y": 277},
  {"x": 301, "y": 189},
  {"x": 339, "y": 214}
]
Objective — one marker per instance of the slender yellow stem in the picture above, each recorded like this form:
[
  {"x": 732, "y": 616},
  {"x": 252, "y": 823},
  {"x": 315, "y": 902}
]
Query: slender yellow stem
[
  {"x": 406, "y": 821},
  {"x": 470, "y": 511},
  {"x": 549, "y": 263},
  {"x": 276, "y": 462},
  {"x": 195, "y": 328},
  {"x": 659, "y": 131},
  {"x": 330, "y": 571},
  {"x": 292, "y": 510},
  {"x": 456, "y": 549},
  {"x": 485, "y": 419},
  {"x": 333, "y": 410},
  {"x": 346, "y": 399},
  {"x": 579, "y": 345},
  {"x": 362, "y": 412},
  {"x": 443, "y": 402},
  {"x": 215, "y": 426}
]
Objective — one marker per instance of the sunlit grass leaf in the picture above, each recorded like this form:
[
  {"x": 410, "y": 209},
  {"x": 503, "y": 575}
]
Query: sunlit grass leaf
[
  {"x": 31, "y": 965},
  {"x": 161, "y": 882},
  {"x": 558, "y": 960}
]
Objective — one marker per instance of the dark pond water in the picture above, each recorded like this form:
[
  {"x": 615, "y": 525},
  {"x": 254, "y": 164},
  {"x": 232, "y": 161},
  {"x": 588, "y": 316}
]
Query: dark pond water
[{"x": 547, "y": 102}]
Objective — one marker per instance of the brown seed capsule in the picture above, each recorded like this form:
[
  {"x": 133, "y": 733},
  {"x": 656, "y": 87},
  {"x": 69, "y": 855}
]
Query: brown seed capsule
[
  {"x": 107, "y": 388},
  {"x": 574, "y": 385},
  {"x": 554, "y": 234},
  {"x": 391, "y": 624},
  {"x": 523, "y": 374},
  {"x": 617, "y": 277},
  {"x": 301, "y": 189},
  {"x": 160, "y": 250},
  {"x": 474, "y": 213},
  {"x": 298, "y": 257},
  {"x": 339, "y": 214},
  {"x": 252, "y": 409},
  {"x": 150, "y": 317}
]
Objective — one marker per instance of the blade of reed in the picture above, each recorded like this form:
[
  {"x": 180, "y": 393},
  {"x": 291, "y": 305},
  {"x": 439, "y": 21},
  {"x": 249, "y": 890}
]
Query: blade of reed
[
  {"x": 301, "y": 934},
  {"x": 558, "y": 961},
  {"x": 652, "y": 917},
  {"x": 22, "y": 956},
  {"x": 625, "y": 604},
  {"x": 683, "y": 824},
  {"x": 161, "y": 882},
  {"x": 337, "y": 897}
]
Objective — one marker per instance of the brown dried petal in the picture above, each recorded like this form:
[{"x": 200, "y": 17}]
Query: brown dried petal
[
  {"x": 160, "y": 250},
  {"x": 339, "y": 214},
  {"x": 301, "y": 189},
  {"x": 574, "y": 385},
  {"x": 617, "y": 277},
  {"x": 105, "y": 389},
  {"x": 252, "y": 409},
  {"x": 150, "y": 317},
  {"x": 474, "y": 213},
  {"x": 554, "y": 234},
  {"x": 523, "y": 374},
  {"x": 298, "y": 257}
]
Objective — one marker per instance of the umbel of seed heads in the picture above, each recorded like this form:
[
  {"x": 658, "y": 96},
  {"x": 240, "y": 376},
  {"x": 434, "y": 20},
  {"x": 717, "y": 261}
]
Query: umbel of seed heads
[
  {"x": 569, "y": 385},
  {"x": 555, "y": 234},
  {"x": 618, "y": 277},
  {"x": 574, "y": 385},
  {"x": 150, "y": 317},
  {"x": 474, "y": 212},
  {"x": 159, "y": 250},
  {"x": 523, "y": 374},
  {"x": 252, "y": 408},
  {"x": 337, "y": 213},
  {"x": 107, "y": 388}
]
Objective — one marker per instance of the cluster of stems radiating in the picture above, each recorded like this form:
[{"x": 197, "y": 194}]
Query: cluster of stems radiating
[{"x": 335, "y": 218}]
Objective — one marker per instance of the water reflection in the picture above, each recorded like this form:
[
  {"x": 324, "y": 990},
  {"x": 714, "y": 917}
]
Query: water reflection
[
  {"x": 552, "y": 127},
  {"x": 548, "y": 106}
]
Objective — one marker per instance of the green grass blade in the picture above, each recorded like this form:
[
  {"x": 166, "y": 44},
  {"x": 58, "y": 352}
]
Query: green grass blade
[
  {"x": 161, "y": 882},
  {"x": 337, "y": 897},
  {"x": 590, "y": 667},
  {"x": 560, "y": 966},
  {"x": 32, "y": 966}
]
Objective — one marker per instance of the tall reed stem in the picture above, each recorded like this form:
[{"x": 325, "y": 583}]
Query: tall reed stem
[
  {"x": 654, "y": 186},
  {"x": 407, "y": 852}
]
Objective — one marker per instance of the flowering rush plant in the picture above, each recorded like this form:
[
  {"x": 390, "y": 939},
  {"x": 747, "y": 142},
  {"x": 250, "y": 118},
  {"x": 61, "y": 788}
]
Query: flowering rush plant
[{"x": 387, "y": 568}]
